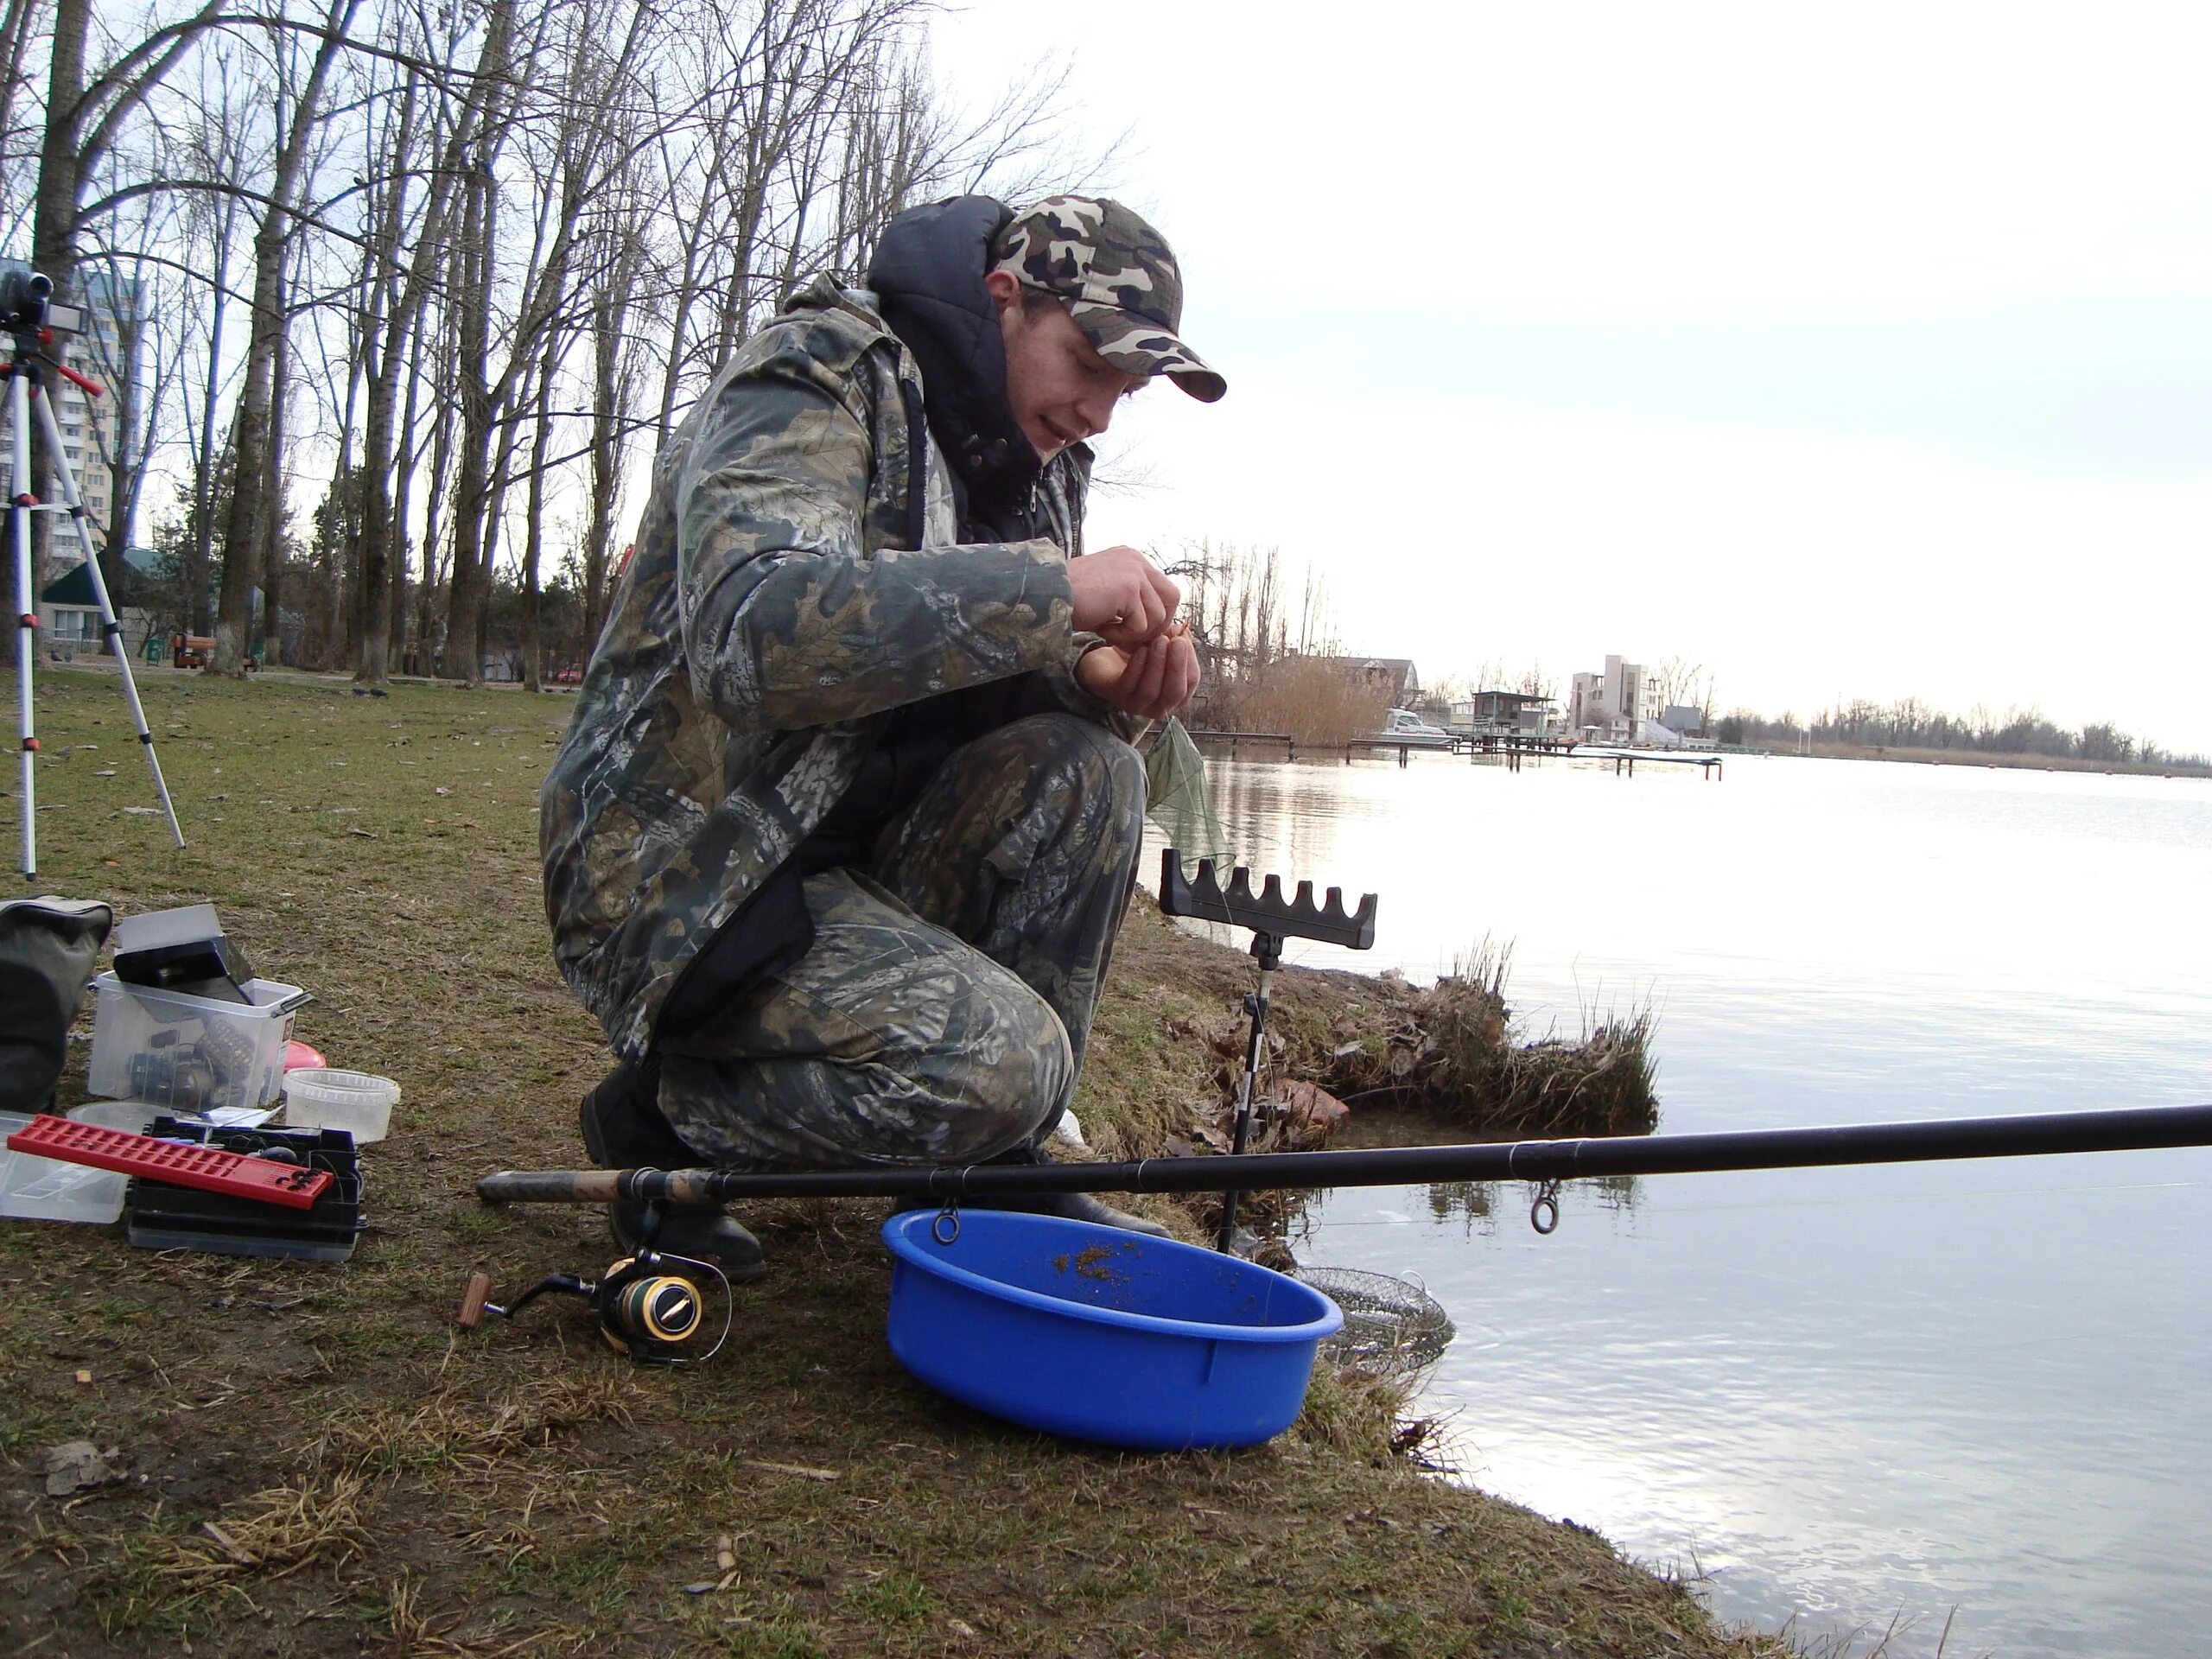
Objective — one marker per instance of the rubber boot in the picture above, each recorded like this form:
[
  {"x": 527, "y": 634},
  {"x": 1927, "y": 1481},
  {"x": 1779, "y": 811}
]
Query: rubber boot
[{"x": 623, "y": 1128}]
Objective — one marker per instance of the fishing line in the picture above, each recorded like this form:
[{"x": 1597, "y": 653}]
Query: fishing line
[{"x": 1819, "y": 1203}]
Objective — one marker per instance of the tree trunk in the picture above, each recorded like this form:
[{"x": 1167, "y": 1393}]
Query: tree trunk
[
  {"x": 609, "y": 401},
  {"x": 54, "y": 224},
  {"x": 200, "y": 553},
  {"x": 533, "y": 652},
  {"x": 403, "y": 492},
  {"x": 272, "y": 520},
  {"x": 435, "y": 530},
  {"x": 250, "y": 430},
  {"x": 473, "y": 485}
]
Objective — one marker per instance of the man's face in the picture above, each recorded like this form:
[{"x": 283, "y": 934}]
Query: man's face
[{"x": 1061, "y": 390}]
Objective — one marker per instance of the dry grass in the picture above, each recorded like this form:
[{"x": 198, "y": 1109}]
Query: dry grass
[
  {"x": 1450, "y": 1052},
  {"x": 387, "y": 1484},
  {"x": 1315, "y": 699}
]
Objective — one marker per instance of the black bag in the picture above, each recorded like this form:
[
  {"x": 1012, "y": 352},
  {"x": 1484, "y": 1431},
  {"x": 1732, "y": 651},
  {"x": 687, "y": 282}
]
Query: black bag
[{"x": 47, "y": 947}]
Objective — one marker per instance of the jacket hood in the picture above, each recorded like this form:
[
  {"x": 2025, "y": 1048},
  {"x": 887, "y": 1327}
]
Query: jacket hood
[{"x": 927, "y": 276}]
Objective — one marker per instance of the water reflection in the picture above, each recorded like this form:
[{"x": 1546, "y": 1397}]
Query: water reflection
[
  {"x": 1843, "y": 1393},
  {"x": 1476, "y": 1207}
]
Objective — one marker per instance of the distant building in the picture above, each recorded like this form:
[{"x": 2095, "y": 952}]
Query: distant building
[
  {"x": 91, "y": 433},
  {"x": 1614, "y": 706},
  {"x": 1395, "y": 672},
  {"x": 91, "y": 439},
  {"x": 68, "y": 609},
  {"x": 1394, "y": 675},
  {"x": 1496, "y": 711}
]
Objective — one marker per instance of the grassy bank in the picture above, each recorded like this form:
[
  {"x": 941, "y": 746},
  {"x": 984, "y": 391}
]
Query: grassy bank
[{"x": 310, "y": 1459}]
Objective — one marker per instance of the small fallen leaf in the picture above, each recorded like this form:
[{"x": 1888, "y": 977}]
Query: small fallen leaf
[
  {"x": 83, "y": 1377},
  {"x": 704, "y": 1587},
  {"x": 365, "y": 835},
  {"x": 961, "y": 1628},
  {"x": 442, "y": 790},
  {"x": 73, "y": 1465}
]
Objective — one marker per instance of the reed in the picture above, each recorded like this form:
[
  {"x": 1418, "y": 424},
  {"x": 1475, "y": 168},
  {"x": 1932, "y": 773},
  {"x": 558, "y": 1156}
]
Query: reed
[
  {"x": 1451, "y": 1050},
  {"x": 1321, "y": 700}
]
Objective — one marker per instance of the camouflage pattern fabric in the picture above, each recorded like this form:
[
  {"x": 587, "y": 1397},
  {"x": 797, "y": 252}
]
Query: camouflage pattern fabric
[
  {"x": 942, "y": 1014},
  {"x": 1119, "y": 280},
  {"x": 779, "y": 598}
]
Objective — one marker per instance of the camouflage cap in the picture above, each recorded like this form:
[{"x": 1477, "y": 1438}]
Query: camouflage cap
[{"x": 1118, "y": 279}]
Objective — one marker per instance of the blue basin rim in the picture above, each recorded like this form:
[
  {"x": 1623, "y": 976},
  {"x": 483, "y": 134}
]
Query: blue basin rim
[{"x": 898, "y": 1234}]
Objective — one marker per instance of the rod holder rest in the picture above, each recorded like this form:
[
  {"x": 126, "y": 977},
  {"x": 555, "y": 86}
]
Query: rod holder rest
[{"x": 1267, "y": 911}]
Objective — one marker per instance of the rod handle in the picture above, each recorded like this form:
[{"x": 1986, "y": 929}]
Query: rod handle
[{"x": 471, "y": 1314}]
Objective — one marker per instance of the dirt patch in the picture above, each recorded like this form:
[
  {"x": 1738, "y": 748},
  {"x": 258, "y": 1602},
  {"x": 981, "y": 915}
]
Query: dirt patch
[{"x": 1096, "y": 1262}]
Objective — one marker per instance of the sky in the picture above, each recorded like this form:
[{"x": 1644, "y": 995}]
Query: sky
[{"x": 1845, "y": 352}]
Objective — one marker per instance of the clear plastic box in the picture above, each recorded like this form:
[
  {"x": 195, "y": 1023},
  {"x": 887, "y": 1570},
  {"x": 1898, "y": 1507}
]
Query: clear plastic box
[
  {"x": 323, "y": 1097},
  {"x": 49, "y": 1189},
  {"x": 190, "y": 1053}
]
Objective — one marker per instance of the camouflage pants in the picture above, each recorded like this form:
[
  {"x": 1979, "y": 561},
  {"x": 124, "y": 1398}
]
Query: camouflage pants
[{"x": 941, "y": 1013}]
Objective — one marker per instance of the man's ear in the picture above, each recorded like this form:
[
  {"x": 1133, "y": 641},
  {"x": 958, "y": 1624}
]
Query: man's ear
[{"x": 1003, "y": 287}]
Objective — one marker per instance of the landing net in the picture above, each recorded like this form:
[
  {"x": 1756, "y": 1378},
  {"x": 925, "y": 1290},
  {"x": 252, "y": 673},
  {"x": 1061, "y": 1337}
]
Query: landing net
[{"x": 1392, "y": 1326}]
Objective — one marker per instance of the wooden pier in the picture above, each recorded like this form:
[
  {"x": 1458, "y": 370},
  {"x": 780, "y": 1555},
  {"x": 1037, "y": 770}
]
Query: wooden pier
[
  {"x": 1512, "y": 747},
  {"x": 1289, "y": 742},
  {"x": 1708, "y": 763}
]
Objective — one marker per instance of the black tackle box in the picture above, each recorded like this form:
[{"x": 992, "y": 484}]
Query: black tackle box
[{"x": 162, "y": 1217}]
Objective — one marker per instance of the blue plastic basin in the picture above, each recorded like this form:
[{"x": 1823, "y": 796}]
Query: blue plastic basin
[{"x": 1103, "y": 1334}]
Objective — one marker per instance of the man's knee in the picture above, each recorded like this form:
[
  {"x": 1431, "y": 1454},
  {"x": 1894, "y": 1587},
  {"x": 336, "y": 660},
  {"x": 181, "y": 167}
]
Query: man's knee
[
  {"x": 1078, "y": 765},
  {"x": 952, "y": 1099}
]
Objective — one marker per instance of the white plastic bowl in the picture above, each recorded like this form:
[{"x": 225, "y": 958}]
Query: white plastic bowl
[{"x": 325, "y": 1097}]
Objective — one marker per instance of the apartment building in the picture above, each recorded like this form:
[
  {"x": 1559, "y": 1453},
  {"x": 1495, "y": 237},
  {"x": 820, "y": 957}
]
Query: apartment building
[
  {"x": 91, "y": 433},
  {"x": 1613, "y": 706}
]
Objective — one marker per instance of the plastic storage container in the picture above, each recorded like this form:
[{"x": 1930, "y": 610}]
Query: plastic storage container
[
  {"x": 1100, "y": 1333},
  {"x": 49, "y": 1189},
  {"x": 190, "y": 1053},
  {"x": 160, "y": 1217},
  {"x": 324, "y": 1097}
]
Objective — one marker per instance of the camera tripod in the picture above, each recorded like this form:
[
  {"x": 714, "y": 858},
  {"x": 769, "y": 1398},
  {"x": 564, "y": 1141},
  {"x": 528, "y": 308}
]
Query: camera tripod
[{"x": 24, "y": 372}]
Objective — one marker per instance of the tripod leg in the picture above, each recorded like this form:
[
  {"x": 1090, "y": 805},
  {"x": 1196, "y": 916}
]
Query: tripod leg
[
  {"x": 109, "y": 624},
  {"x": 19, "y": 527}
]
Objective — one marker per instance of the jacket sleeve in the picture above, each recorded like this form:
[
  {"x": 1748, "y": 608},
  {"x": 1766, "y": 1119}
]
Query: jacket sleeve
[{"x": 788, "y": 621}]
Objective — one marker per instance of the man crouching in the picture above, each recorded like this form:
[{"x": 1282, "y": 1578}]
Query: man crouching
[{"x": 840, "y": 833}]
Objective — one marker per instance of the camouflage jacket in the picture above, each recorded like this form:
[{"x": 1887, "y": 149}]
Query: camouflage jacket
[{"x": 797, "y": 573}]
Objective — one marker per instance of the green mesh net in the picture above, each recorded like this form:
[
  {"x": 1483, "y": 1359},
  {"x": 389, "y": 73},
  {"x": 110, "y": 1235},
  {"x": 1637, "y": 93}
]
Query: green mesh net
[{"x": 1177, "y": 799}]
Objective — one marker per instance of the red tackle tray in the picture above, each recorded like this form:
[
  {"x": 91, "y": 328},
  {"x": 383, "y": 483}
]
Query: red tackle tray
[{"x": 209, "y": 1168}]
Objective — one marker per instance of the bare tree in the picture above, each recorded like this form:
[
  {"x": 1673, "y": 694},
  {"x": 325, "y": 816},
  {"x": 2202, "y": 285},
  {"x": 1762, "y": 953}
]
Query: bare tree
[
  {"x": 1677, "y": 680},
  {"x": 252, "y": 497},
  {"x": 480, "y": 110}
]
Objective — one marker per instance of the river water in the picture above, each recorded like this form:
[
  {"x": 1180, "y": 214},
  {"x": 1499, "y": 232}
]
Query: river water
[{"x": 1975, "y": 1394}]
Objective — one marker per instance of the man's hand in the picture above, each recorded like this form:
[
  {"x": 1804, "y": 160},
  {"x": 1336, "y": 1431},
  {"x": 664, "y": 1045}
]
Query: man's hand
[
  {"x": 1151, "y": 682},
  {"x": 1122, "y": 598}
]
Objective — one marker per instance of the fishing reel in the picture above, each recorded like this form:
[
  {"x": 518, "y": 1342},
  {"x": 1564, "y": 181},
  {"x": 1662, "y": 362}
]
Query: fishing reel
[{"x": 649, "y": 1306}]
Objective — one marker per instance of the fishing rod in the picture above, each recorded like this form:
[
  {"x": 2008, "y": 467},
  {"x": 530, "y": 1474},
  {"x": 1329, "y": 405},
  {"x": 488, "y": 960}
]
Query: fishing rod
[{"x": 1546, "y": 1162}]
